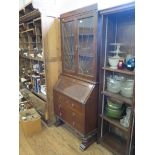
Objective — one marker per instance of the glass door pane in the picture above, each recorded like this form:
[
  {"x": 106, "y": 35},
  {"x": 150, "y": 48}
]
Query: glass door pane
[
  {"x": 85, "y": 45},
  {"x": 68, "y": 45}
]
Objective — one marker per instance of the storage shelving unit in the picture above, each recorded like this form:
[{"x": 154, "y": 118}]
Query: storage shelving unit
[
  {"x": 116, "y": 25},
  {"x": 39, "y": 57}
]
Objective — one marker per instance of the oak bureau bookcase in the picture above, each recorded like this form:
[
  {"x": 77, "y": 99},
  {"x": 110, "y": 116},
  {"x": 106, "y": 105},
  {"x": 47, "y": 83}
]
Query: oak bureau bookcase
[{"x": 76, "y": 92}]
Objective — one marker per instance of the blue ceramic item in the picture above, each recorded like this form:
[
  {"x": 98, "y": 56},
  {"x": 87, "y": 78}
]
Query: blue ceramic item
[{"x": 130, "y": 64}]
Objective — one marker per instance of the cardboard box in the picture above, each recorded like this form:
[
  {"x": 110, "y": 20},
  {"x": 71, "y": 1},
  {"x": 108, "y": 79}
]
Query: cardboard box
[{"x": 30, "y": 122}]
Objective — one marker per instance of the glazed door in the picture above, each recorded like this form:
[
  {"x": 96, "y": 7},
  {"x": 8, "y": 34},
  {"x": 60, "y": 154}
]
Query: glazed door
[
  {"x": 68, "y": 45},
  {"x": 86, "y": 46}
]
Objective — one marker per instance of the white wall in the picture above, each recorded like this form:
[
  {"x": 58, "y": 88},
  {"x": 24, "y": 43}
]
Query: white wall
[
  {"x": 23, "y": 2},
  {"x": 68, "y": 5},
  {"x": 57, "y": 7}
]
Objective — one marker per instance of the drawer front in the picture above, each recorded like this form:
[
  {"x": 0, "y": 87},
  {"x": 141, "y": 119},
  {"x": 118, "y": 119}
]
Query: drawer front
[
  {"x": 60, "y": 111},
  {"x": 78, "y": 122},
  {"x": 56, "y": 108},
  {"x": 69, "y": 116},
  {"x": 70, "y": 111},
  {"x": 74, "y": 106},
  {"x": 67, "y": 102},
  {"x": 75, "y": 120}
]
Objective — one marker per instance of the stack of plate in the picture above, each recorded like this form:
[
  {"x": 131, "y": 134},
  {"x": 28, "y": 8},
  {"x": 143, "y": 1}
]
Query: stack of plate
[{"x": 113, "y": 109}]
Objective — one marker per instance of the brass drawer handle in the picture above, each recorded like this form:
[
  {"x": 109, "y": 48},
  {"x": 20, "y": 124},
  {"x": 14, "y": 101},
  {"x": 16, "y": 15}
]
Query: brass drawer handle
[
  {"x": 73, "y": 123},
  {"x": 59, "y": 106},
  {"x": 60, "y": 114}
]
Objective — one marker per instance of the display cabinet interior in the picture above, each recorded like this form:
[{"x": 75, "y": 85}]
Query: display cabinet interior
[
  {"x": 117, "y": 44},
  {"x": 120, "y": 28},
  {"x": 114, "y": 139},
  {"x": 86, "y": 36},
  {"x": 79, "y": 46}
]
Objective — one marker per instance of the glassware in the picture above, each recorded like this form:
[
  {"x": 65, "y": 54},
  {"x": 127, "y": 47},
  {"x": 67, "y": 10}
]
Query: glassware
[
  {"x": 114, "y": 83},
  {"x": 127, "y": 88},
  {"x": 125, "y": 120}
]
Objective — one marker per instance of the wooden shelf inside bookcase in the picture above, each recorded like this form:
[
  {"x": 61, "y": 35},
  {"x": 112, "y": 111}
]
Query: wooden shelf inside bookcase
[
  {"x": 118, "y": 97},
  {"x": 114, "y": 143},
  {"x": 42, "y": 74},
  {"x": 28, "y": 30},
  {"x": 33, "y": 58},
  {"x": 37, "y": 59},
  {"x": 115, "y": 122},
  {"x": 40, "y": 95},
  {"x": 32, "y": 43},
  {"x": 37, "y": 19},
  {"x": 22, "y": 27},
  {"x": 123, "y": 71},
  {"x": 29, "y": 16},
  {"x": 86, "y": 55}
]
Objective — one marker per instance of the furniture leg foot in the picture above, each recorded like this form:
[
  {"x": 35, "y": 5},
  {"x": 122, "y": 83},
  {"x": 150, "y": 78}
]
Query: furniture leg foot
[
  {"x": 88, "y": 140},
  {"x": 58, "y": 122}
]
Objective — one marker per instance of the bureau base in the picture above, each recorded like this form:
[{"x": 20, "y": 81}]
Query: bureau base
[
  {"x": 58, "y": 122},
  {"x": 86, "y": 139}
]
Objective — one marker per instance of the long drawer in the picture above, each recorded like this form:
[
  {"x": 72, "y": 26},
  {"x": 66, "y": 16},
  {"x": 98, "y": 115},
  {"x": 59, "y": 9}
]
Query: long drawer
[
  {"x": 71, "y": 117},
  {"x": 70, "y": 112},
  {"x": 68, "y": 102}
]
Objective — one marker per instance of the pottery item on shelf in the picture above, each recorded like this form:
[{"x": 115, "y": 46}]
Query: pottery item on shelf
[
  {"x": 128, "y": 57},
  {"x": 130, "y": 64},
  {"x": 25, "y": 54},
  {"x": 20, "y": 49},
  {"x": 114, "y": 108},
  {"x": 114, "y": 113},
  {"x": 113, "y": 61},
  {"x": 40, "y": 55},
  {"x": 112, "y": 104},
  {"x": 114, "y": 83},
  {"x": 36, "y": 68},
  {"x": 128, "y": 112},
  {"x": 124, "y": 122},
  {"x": 43, "y": 89},
  {"x": 126, "y": 119},
  {"x": 31, "y": 55},
  {"x": 127, "y": 88},
  {"x": 120, "y": 64}
]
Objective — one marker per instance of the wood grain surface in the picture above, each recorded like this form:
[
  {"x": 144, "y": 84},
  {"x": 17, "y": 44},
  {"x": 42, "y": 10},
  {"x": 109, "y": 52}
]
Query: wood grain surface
[{"x": 56, "y": 141}]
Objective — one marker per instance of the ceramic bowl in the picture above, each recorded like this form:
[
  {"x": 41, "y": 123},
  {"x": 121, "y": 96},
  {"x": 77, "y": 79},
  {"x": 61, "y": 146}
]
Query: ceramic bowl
[
  {"x": 114, "y": 113},
  {"x": 113, "y": 61},
  {"x": 114, "y": 83},
  {"x": 127, "y": 88},
  {"x": 113, "y": 104},
  {"x": 128, "y": 57},
  {"x": 113, "y": 86}
]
